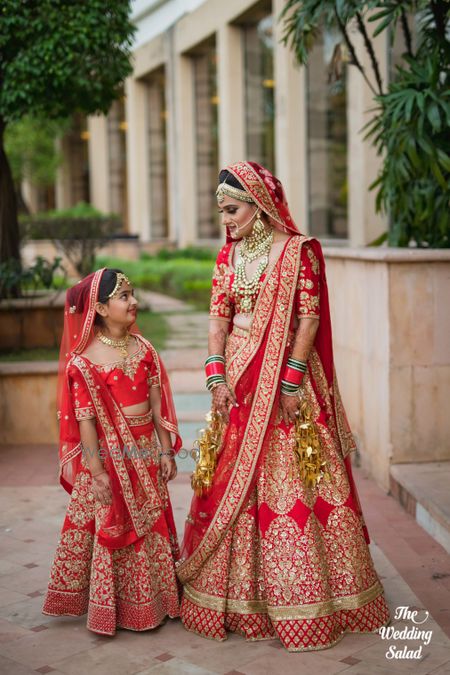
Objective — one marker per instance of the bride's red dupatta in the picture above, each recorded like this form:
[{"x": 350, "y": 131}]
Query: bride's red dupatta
[
  {"x": 127, "y": 518},
  {"x": 256, "y": 370}
]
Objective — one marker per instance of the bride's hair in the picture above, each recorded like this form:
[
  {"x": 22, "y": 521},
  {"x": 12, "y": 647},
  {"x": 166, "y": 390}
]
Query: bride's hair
[{"x": 226, "y": 177}]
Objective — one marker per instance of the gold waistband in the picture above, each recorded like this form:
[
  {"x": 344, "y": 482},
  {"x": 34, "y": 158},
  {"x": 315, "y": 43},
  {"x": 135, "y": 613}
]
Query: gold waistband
[
  {"x": 138, "y": 420},
  {"x": 240, "y": 331}
]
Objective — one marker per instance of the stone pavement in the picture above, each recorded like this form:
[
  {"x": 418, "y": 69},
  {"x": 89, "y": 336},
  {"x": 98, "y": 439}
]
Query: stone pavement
[{"x": 414, "y": 570}]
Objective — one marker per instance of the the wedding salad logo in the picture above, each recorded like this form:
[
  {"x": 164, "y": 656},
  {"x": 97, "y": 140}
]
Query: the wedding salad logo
[{"x": 404, "y": 635}]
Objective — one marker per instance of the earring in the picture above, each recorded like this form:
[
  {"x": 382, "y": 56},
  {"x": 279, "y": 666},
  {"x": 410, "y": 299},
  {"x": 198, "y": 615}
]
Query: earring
[{"x": 258, "y": 227}]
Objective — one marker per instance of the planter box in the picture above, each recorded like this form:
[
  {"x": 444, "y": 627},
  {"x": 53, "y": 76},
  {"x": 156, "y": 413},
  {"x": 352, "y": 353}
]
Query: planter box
[
  {"x": 28, "y": 403},
  {"x": 27, "y": 323},
  {"x": 391, "y": 328}
]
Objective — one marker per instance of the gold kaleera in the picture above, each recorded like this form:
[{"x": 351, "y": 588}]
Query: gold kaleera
[
  {"x": 307, "y": 451},
  {"x": 206, "y": 449}
]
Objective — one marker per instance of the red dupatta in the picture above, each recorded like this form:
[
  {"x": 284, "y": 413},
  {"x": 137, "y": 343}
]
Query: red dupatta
[
  {"x": 133, "y": 494},
  {"x": 256, "y": 368}
]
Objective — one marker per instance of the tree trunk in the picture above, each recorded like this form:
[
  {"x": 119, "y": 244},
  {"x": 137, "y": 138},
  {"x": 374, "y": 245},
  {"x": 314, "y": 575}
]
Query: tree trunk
[{"x": 9, "y": 226}]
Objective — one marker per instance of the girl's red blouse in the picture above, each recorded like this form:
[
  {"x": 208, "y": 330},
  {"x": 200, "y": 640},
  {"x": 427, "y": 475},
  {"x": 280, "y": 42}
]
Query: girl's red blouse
[
  {"x": 225, "y": 304},
  {"x": 129, "y": 381}
]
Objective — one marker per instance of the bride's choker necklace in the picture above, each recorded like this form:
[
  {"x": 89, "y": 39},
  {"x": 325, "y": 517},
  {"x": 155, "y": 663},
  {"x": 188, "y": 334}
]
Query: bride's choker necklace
[
  {"x": 118, "y": 343},
  {"x": 258, "y": 243}
]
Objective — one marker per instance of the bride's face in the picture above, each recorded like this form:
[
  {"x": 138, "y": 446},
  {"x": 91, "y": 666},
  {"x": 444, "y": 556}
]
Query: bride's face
[{"x": 238, "y": 216}]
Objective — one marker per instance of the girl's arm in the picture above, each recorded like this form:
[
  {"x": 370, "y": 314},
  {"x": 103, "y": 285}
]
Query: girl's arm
[
  {"x": 168, "y": 464},
  {"x": 90, "y": 448}
]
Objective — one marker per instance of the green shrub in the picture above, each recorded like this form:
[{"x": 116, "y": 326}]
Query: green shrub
[{"x": 184, "y": 278}]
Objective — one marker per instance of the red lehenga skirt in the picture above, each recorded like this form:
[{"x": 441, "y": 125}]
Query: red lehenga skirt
[
  {"x": 295, "y": 564},
  {"x": 134, "y": 587}
]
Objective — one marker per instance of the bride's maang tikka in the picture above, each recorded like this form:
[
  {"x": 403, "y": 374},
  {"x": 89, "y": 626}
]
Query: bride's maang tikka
[
  {"x": 225, "y": 189},
  {"x": 121, "y": 279}
]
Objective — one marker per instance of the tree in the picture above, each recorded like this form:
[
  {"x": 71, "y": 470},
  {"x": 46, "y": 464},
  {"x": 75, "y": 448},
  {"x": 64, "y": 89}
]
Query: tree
[
  {"x": 30, "y": 145},
  {"x": 56, "y": 57},
  {"x": 410, "y": 124}
]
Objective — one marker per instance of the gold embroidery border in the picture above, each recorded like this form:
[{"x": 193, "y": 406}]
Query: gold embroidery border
[
  {"x": 153, "y": 501},
  {"x": 284, "y": 613},
  {"x": 261, "y": 411}
]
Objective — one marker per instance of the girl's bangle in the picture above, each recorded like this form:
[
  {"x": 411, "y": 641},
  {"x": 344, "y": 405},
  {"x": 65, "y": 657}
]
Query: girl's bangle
[
  {"x": 94, "y": 475},
  {"x": 167, "y": 453}
]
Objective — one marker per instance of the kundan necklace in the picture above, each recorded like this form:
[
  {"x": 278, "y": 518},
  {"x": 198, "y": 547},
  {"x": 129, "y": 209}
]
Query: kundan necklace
[
  {"x": 118, "y": 343},
  {"x": 252, "y": 247}
]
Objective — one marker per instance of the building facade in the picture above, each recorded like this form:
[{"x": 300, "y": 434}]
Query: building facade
[{"x": 213, "y": 83}]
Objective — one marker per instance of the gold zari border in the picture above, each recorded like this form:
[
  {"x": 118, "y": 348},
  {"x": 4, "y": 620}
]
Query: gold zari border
[{"x": 284, "y": 613}]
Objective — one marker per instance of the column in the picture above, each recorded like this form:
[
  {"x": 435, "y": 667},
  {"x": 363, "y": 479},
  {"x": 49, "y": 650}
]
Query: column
[
  {"x": 363, "y": 163},
  {"x": 137, "y": 165},
  {"x": 99, "y": 162},
  {"x": 185, "y": 199},
  {"x": 290, "y": 124},
  {"x": 230, "y": 84}
]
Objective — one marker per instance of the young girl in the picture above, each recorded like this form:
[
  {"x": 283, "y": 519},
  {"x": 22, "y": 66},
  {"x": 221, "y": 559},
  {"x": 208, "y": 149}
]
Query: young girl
[{"x": 116, "y": 557}]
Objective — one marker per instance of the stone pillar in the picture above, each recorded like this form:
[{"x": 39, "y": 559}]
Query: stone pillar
[
  {"x": 137, "y": 164},
  {"x": 185, "y": 204},
  {"x": 98, "y": 162},
  {"x": 290, "y": 125},
  {"x": 230, "y": 82},
  {"x": 363, "y": 163}
]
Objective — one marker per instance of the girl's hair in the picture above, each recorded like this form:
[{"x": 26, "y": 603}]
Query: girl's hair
[
  {"x": 226, "y": 177},
  {"x": 107, "y": 284}
]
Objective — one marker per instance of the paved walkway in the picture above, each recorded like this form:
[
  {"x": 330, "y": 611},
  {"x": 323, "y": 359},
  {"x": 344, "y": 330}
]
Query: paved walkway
[{"x": 414, "y": 569}]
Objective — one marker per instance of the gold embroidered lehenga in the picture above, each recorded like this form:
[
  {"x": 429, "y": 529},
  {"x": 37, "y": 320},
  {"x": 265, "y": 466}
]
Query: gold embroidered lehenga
[
  {"x": 263, "y": 555},
  {"x": 117, "y": 562}
]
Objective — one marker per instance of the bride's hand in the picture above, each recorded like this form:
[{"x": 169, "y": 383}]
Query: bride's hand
[
  {"x": 222, "y": 400},
  {"x": 101, "y": 487},
  {"x": 289, "y": 408}
]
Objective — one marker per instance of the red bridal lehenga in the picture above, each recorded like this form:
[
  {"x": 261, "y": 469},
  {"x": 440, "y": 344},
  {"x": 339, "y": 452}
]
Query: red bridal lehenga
[
  {"x": 117, "y": 562},
  {"x": 263, "y": 555}
]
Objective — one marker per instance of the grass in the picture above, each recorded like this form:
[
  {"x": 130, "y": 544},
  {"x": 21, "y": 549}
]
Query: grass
[{"x": 152, "y": 325}]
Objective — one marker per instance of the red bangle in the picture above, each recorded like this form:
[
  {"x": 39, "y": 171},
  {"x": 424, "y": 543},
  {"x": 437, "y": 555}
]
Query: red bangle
[
  {"x": 215, "y": 368},
  {"x": 293, "y": 376}
]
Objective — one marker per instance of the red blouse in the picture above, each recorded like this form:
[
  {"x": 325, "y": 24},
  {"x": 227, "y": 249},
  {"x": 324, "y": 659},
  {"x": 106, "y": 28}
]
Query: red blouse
[
  {"x": 129, "y": 381},
  {"x": 224, "y": 303}
]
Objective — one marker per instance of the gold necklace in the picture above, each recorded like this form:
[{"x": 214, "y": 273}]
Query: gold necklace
[
  {"x": 256, "y": 245},
  {"x": 118, "y": 343}
]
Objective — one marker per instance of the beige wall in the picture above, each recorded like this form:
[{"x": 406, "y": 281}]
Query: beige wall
[
  {"x": 28, "y": 403},
  {"x": 391, "y": 324}
]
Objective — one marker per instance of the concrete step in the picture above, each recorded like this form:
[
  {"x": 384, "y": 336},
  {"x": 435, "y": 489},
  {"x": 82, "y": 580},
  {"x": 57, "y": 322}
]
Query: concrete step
[{"x": 423, "y": 490}]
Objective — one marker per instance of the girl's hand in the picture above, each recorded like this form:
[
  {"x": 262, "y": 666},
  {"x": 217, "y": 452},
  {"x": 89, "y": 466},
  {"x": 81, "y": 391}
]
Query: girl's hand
[
  {"x": 289, "y": 408},
  {"x": 101, "y": 487},
  {"x": 222, "y": 400},
  {"x": 168, "y": 468}
]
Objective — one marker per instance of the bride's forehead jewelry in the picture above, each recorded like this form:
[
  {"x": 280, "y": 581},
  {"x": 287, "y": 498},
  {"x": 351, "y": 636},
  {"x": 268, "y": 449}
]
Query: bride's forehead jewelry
[
  {"x": 225, "y": 189},
  {"x": 121, "y": 279}
]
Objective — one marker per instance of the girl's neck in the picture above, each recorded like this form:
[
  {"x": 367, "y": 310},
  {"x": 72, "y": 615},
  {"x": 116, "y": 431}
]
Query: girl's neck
[{"x": 116, "y": 332}]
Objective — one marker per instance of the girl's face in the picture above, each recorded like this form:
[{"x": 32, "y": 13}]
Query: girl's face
[
  {"x": 120, "y": 310},
  {"x": 238, "y": 216}
]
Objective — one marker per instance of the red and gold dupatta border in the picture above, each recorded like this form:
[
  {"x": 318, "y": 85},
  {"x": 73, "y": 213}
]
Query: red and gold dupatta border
[
  {"x": 115, "y": 447},
  {"x": 280, "y": 301},
  {"x": 261, "y": 317},
  {"x": 165, "y": 423},
  {"x": 246, "y": 174}
]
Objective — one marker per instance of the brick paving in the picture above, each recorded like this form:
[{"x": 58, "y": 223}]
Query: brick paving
[{"x": 414, "y": 570}]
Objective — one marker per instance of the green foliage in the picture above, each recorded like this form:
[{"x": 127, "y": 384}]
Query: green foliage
[
  {"x": 40, "y": 275},
  {"x": 410, "y": 126},
  {"x": 78, "y": 232},
  {"x": 63, "y": 56},
  {"x": 30, "y": 144},
  {"x": 411, "y": 130},
  {"x": 153, "y": 326},
  {"x": 184, "y": 278},
  {"x": 190, "y": 252}
]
